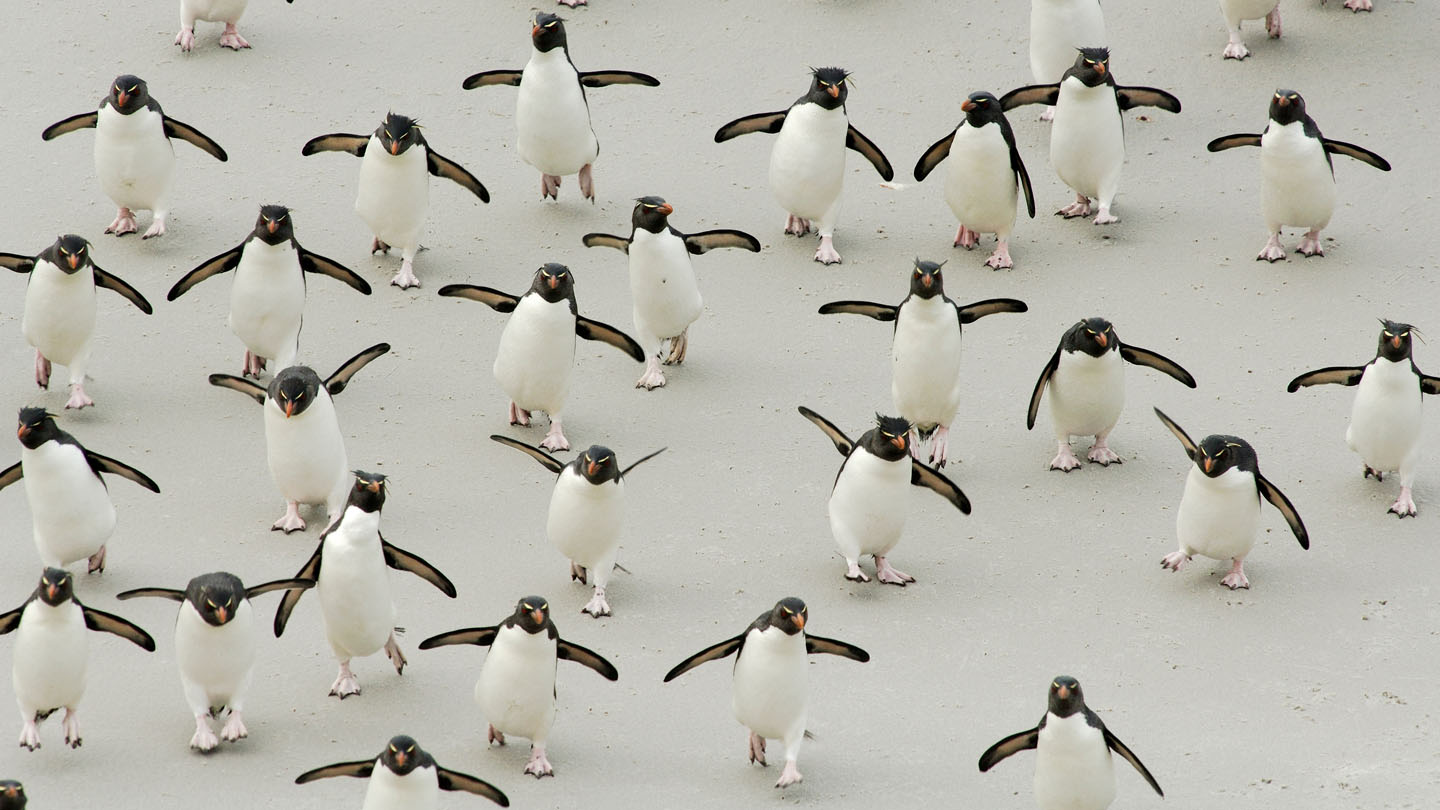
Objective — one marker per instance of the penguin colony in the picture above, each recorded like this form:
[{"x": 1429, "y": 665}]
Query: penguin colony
[{"x": 914, "y": 440}]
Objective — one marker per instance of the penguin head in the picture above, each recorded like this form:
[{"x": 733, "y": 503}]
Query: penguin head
[
  {"x": 1092, "y": 66},
  {"x": 402, "y": 755},
  {"x": 790, "y": 615},
  {"x": 553, "y": 282},
  {"x": 274, "y": 226},
  {"x": 531, "y": 613},
  {"x": 216, "y": 597},
  {"x": 829, "y": 87},
  {"x": 12, "y": 795},
  {"x": 128, "y": 94},
  {"x": 56, "y": 587},
  {"x": 982, "y": 108},
  {"x": 69, "y": 253},
  {"x": 547, "y": 32},
  {"x": 1287, "y": 107},
  {"x": 926, "y": 281},
  {"x": 889, "y": 439},
  {"x": 368, "y": 494},
  {"x": 398, "y": 133},
  {"x": 1065, "y": 696},
  {"x": 597, "y": 465},
  {"x": 1095, "y": 337},
  {"x": 294, "y": 389},
  {"x": 36, "y": 427},
  {"x": 650, "y": 213},
  {"x": 1217, "y": 455},
  {"x": 1395, "y": 342}
]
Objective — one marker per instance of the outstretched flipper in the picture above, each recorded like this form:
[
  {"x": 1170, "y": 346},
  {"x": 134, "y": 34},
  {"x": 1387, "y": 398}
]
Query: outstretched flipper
[
  {"x": 402, "y": 560},
  {"x": 336, "y": 382},
  {"x": 441, "y": 166},
  {"x": 109, "y": 282},
  {"x": 110, "y": 623},
  {"x": 769, "y": 122},
  {"x": 1131, "y": 97},
  {"x": 279, "y": 585},
  {"x": 605, "y": 333},
  {"x": 249, "y": 388},
  {"x": 1145, "y": 357},
  {"x": 842, "y": 442},
  {"x": 479, "y": 636},
  {"x": 1338, "y": 375},
  {"x": 922, "y": 476},
  {"x": 1287, "y": 509},
  {"x": 454, "y": 780},
  {"x": 971, "y": 313},
  {"x": 1039, "y": 391},
  {"x": 17, "y": 263},
  {"x": 223, "y": 263},
  {"x": 315, "y": 263},
  {"x": 870, "y": 309},
  {"x": 359, "y": 770},
  {"x": 84, "y": 120},
  {"x": 162, "y": 593},
  {"x": 337, "y": 142},
  {"x": 1031, "y": 94},
  {"x": 1129, "y": 756},
  {"x": 566, "y": 651},
  {"x": 857, "y": 141},
  {"x": 11, "y": 474},
  {"x": 609, "y": 240},
  {"x": 491, "y": 78},
  {"x": 105, "y": 464},
  {"x": 546, "y": 460},
  {"x": 185, "y": 132},
  {"x": 712, "y": 653},
  {"x": 496, "y": 300},
  {"x": 640, "y": 461},
  {"x": 1014, "y": 744},
  {"x": 1360, "y": 153},
  {"x": 698, "y": 243},
  {"x": 605, "y": 78},
  {"x": 931, "y": 158},
  {"x": 815, "y": 645},
  {"x": 1185, "y": 440},
  {"x": 311, "y": 571},
  {"x": 1231, "y": 141}
]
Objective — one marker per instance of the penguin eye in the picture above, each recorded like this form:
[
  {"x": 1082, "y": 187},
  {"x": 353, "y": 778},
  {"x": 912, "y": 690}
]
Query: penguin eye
[
  {"x": 545, "y": 606},
  {"x": 411, "y": 748},
  {"x": 1220, "y": 453},
  {"x": 394, "y": 750},
  {"x": 1388, "y": 333},
  {"x": 134, "y": 87},
  {"x": 44, "y": 581},
  {"x": 550, "y": 25},
  {"x": 1406, "y": 333},
  {"x": 211, "y": 603}
]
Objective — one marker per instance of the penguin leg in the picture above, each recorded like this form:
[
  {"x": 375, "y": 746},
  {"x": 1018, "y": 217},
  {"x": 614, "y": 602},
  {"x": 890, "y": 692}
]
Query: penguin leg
[
  {"x": 796, "y": 225},
  {"x": 1404, "y": 505},
  {"x": 405, "y": 279},
  {"x": 1236, "y": 48},
  {"x": 587, "y": 183},
  {"x": 1236, "y": 579},
  {"x": 124, "y": 222},
  {"x": 232, "y": 39},
  {"x": 1359, "y": 5},
  {"x": 492, "y": 735},
  {"x": 1103, "y": 216},
  {"x": 940, "y": 447},
  {"x": 678, "y": 346},
  {"x": 97, "y": 562},
  {"x": 549, "y": 186},
  {"x": 77, "y": 398},
  {"x": 42, "y": 370},
  {"x": 853, "y": 572},
  {"x": 1272, "y": 22},
  {"x": 291, "y": 520},
  {"x": 157, "y": 225},
  {"x": 252, "y": 365},
  {"x": 913, "y": 441},
  {"x": 518, "y": 415},
  {"x": 392, "y": 650},
  {"x": 826, "y": 253},
  {"x": 30, "y": 732},
  {"x": 234, "y": 729},
  {"x": 376, "y": 246},
  {"x": 652, "y": 377},
  {"x": 1310, "y": 244},
  {"x": 966, "y": 238},
  {"x": 1379, "y": 474},
  {"x": 791, "y": 774},
  {"x": 888, "y": 574},
  {"x": 204, "y": 739},
  {"x": 597, "y": 606},
  {"x": 1048, "y": 114},
  {"x": 1175, "y": 560},
  {"x": 1272, "y": 252},
  {"x": 71, "y": 724},
  {"x": 555, "y": 439},
  {"x": 346, "y": 684},
  {"x": 757, "y": 749},
  {"x": 1000, "y": 259},
  {"x": 1079, "y": 208},
  {"x": 1100, "y": 452},
  {"x": 538, "y": 766},
  {"x": 186, "y": 38},
  {"x": 1065, "y": 459}
]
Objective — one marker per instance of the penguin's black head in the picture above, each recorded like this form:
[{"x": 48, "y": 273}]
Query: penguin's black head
[
  {"x": 1095, "y": 337},
  {"x": 982, "y": 108},
  {"x": 547, "y": 32},
  {"x": 1092, "y": 66},
  {"x": 128, "y": 94},
  {"x": 36, "y": 427},
  {"x": 926, "y": 281},
  {"x": 598, "y": 465},
  {"x": 829, "y": 87},
  {"x": 216, "y": 597},
  {"x": 1217, "y": 455},
  {"x": 1395, "y": 342},
  {"x": 1287, "y": 107},
  {"x": 294, "y": 389},
  {"x": 69, "y": 253},
  {"x": 531, "y": 613},
  {"x": 368, "y": 494},
  {"x": 56, "y": 587},
  {"x": 12, "y": 795},
  {"x": 1065, "y": 696},
  {"x": 402, "y": 755},
  {"x": 790, "y": 615},
  {"x": 889, "y": 439},
  {"x": 553, "y": 282},
  {"x": 650, "y": 213},
  {"x": 398, "y": 133},
  {"x": 274, "y": 226}
]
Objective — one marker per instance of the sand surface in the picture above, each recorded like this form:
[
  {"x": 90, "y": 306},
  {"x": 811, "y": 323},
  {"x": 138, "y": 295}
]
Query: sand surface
[{"x": 1313, "y": 690}]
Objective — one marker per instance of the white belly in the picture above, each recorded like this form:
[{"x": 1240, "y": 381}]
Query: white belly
[
  {"x": 417, "y": 790},
  {"x": 551, "y": 116},
  {"x": 925, "y": 361},
  {"x": 980, "y": 185},
  {"x": 1237, "y": 10},
  {"x": 394, "y": 194},
  {"x": 807, "y": 165},
  {"x": 585, "y": 520},
  {"x": 216, "y": 662},
  {"x": 306, "y": 452},
  {"x": 354, "y": 587},
  {"x": 1086, "y": 394},
  {"x": 59, "y": 317},
  {"x": 267, "y": 301},
  {"x": 1087, "y": 141},
  {"x": 70, "y": 507},
  {"x": 1073, "y": 766},
  {"x": 1385, "y": 420},
  {"x": 868, "y": 506},
  {"x": 134, "y": 159},
  {"x": 771, "y": 685},
  {"x": 1296, "y": 184},
  {"x": 662, "y": 285},
  {"x": 51, "y": 651},
  {"x": 226, "y": 11},
  {"x": 1218, "y": 517},
  {"x": 516, "y": 688},
  {"x": 536, "y": 354},
  {"x": 1057, "y": 29}
]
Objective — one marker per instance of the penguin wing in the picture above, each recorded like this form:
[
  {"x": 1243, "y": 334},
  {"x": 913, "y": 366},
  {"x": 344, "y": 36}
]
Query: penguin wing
[
  {"x": 315, "y": 263},
  {"x": 163, "y": 593},
  {"x": 441, "y": 166},
  {"x": 1014, "y": 744},
  {"x": 250, "y": 389},
  {"x": 769, "y": 122},
  {"x": 105, "y": 464},
  {"x": 605, "y": 78},
  {"x": 1131, "y": 97},
  {"x": 311, "y": 571},
  {"x": 712, "y": 653},
  {"x": 857, "y": 141},
  {"x": 490, "y": 78},
  {"x": 479, "y": 636},
  {"x": 937, "y": 152},
  {"x": 1145, "y": 357},
  {"x": 842, "y": 442},
  {"x": 568, "y": 651},
  {"x": 1039, "y": 391},
  {"x": 223, "y": 263},
  {"x": 84, "y": 120},
  {"x": 595, "y": 330},
  {"x": 620, "y": 243},
  {"x": 337, "y": 142},
  {"x": 1277, "y": 499},
  {"x": 546, "y": 460},
  {"x": 11, "y": 619},
  {"x": 17, "y": 263},
  {"x": 1428, "y": 385},
  {"x": 1231, "y": 141},
  {"x": 109, "y": 282},
  {"x": 1360, "y": 153},
  {"x": 496, "y": 300},
  {"x": 402, "y": 560},
  {"x": 336, "y": 382},
  {"x": 831, "y": 646},
  {"x": 1185, "y": 440},
  {"x": 880, "y": 312},
  {"x": 110, "y": 623},
  {"x": 1124, "y": 751},
  {"x": 635, "y": 464},
  {"x": 279, "y": 585},
  {"x": 11, "y": 474},
  {"x": 1018, "y": 166},
  {"x": 359, "y": 770},
  {"x": 454, "y": 780},
  {"x": 698, "y": 243},
  {"x": 1030, "y": 94},
  {"x": 185, "y": 132},
  {"x": 922, "y": 476},
  {"x": 971, "y": 313},
  {"x": 1339, "y": 375}
]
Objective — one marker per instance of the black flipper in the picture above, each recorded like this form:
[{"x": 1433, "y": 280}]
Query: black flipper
[
  {"x": 479, "y": 636},
  {"x": 279, "y": 585},
  {"x": 310, "y": 570},
  {"x": 185, "y": 132},
  {"x": 1124, "y": 751},
  {"x": 454, "y": 780},
  {"x": 254, "y": 390},
  {"x": 496, "y": 300},
  {"x": 163, "y": 593},
  {"x": 402, "y": 560},
  {"x": 816, "y": 644},
  {"x": 546, "y": 460},
  {"x": 17, "y": 263},
  {"x": 1018, "y": 166},
  {"x": 1360, "y": 153},
  {"x": 870, "y": 309},
  {"x": 223, "y": 263},
  {"x": 84, "y": 120},
  {"x": 1339, "y": 375},
  {"x": 336, "y": 382},
  {"x": 1185, "y": 440},
  {"x": 937, "y": 152},
  {"x": 1014, "y": 744},
  {"x": 315, "y": 263},
  {"x": 109, "y": 282},
  {"x": 1145, "y": 357},
  {"x": 842, "y": 442},
  {"x": 1131, "y": 97},
  {"x": 1277, "y": 498},
  {"x": 441, "y": 166},
  {"x": 1040, "y": 389},
  {"x": 712, "y": 653},
  {"x": 642, "y": 460},
  {"x": 922, "y": 476},
  {"x": 1030, "y": 94},
  {"x": 605, "y": 333},
  {"x": 106, "y": 464},
  {"x": 620, "y": 243},
  {"x": 337, "y": 142},
  {"x": 1231, "y": 141},
  {"x": 854, "y": 139},
  {"x": 110, "y": 623},
  {"x": 11, "y": 474},
  {"x": 698, "y": 243},
  {"x": 568, "y": 651},
  {"x": 491, "y": 78},
  {"x": 769, "y": 122},
  {"x": 605, "y": 78},
  {"x": 1429, "y": 385},
  {"x": 971, "y": 313},
  {"x": 359, "y": 770},
  {"x": 11, "y": 619}
]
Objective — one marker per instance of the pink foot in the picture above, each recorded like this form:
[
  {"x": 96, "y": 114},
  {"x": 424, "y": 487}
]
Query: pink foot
[
  {"x": 234, "y": 730},
  {"x": 397, "y": 658},
  {"x": 890, "y": 575},
  {"x": 232, "y": 39},
  {"x": 1235, "y": 580},
  {"x": 30, "y": 734},
  {"x": 1272, "y": 22},
  {"x": 1065, "y": 459},
  {"x": 966, "y": 238},
  {"x": 1404, "y": 505},
  {"x": 826, "y": 254},
  {"x": 77, "y": 398},
  {"x": 1236, "y": 49},
  {"x": 939, "y": 447},
  {"x": 493, "y": 736},
  {"x": 1079, "y": 208},
  {"x": 1101, "y": 454},
  {"x": 538, "y": 766},
  {"x": 1175, "y": 560},
  {"x": 1000, "y": 259},
  {"x": 1105, "y": 217},
  {"x": 549, "y": 186},
  {"x": 678, "y": 347},
  {"x": 186, "y": 40},
  {"x": 1048, "y": 115},
  {"x": 254, "y": 365},
  {"x": 597, "y": 606},
  {"x": 797, "y": 225},
  {"x": 97, "y": 562},
  {"x": 757, "y": 749},
  {"x": 124, "y": 223},
  {"x": 346, "y": 684},
  {"x": 290, "y": 521},
  {"x": 1310, "y": 244},
  {"x": 376, "y": 246},
  {"x": 853, "y": 572},
  {"x": 204, "y": 739},
  {"x": 790, "y": 775},
  {"x": 42, "y": 370},
  {"x": 72, "y": 729},
  {"x": 587, "y": 184},
  {"x": 519, "y": 416},
  {"x": 653, "y": 377},
  {"x": 555, "y": 439},
  {"x": 578, "y": 573},
  {"x": 1359, "y": 5},
  {"x": 405, "y": 279},
  {"x": 1272, "y": 252},
  {"x": 157, "y": 227}
]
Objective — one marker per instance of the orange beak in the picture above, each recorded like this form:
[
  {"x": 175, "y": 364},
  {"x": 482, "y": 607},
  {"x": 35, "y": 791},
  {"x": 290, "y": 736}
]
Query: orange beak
[
  {"x": 833, "y": 90},
  {"x": 74, "y": 262},
  {"x": 927, "y": 281},
  {"x": 1102, "y": 340},
  {"x": 967, "y": 105},
  {"x": 289, "y": 409},
  {"x": 50, "y": 591},
  {"x": 1208, "y": 464},
  {"x": 122, "y": 97},
  {"x": 1283, "y": 101},
  {"x": 394, "y": 147},
  {"x": 23, "y": 431},
  {"x": 899, "y": 441},
  {"x": 223, "y": 615},
  {"x": 373, "y": 486},
  {"x": 1100, "y": 68},
  {"x": 537, "y": 615},
  {"x": 800, "y": 620},
  {"x": 1395, "y": 341},
  {"x": 667, "y": 209},
  {"x": 271, "y": 226},
  {"x": 535, "y": 31},
  {"x": 591, "y": 468},
  {"x": 554, "y": 282},
  {"x": 400, "y": 758},
  {"x": 1063, "y": 692}
]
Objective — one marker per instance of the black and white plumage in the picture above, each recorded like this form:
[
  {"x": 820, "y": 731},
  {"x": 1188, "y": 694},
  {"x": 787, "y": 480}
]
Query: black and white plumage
[
  {"x": 1086, "y": 381},
  {"x": 267, "y": 300},
  {"x": 393, "y": 195},
  {"x": 1220, "y": 510},
  {"x": 60, "y": 307},
  {"x": 1074, "y": 766},
  {"x": 869, "y": 501},
  {"x": 215, "y": 648},
  {"x": 552, "y": 115},
  {"x": 348, "y": 568},
  {"x": 807, "y": 164},
  {"x": 134, "y": 156},
  {"x": 304, "y": 447},
  {"x": 1058, "y": 28},
  {"x": 537, "y": 347},
  {"x": 221, "y": 11},
  {"x": 927, "y": 383},
  {"x": 12, "y": 795},
  {"x": 1238, "y": 11},
  {"x": 662, "y": 280},
  {"x": 516, "y": 687},
  {"x": 1297, "y": 174},
  {"x": 70, "y": 508},
  {"x": 52, "y": 650},
  {"x": 405, "y": 777},
  {"x": 771, "y": 678},
  {"x": 1385, "y": 423}
]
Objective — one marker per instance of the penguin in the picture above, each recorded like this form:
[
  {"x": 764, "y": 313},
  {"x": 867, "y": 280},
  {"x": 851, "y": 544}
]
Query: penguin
[
  {"x": 215, "y": 648},
  {"x": 303, "y": 444},
  {"x": 868, "y": 501},
  {"x": 925, "y": 355},
  {"x": 516, "y": 688},
  {"x": 410, "y": 778},
  {"x": 537, "y": 347},
  {"x": 662, "y": 280},
  {"x": 984, "y": 178},
  {"x": 1058, "y": 28},
  {"x": 1297, "y": 174},
  {"x": 1237, "y": 11},
  {"x": 12, "y": 795},
  {"x": 70, "y": 506},
  {"x": 1087, "y": 143},
  {"x": 226, "y": 11},
  {"x": 394, "y": 189},
  {"x": 552, "y": 115},
  {"x": 1385, "y": 420},
  {"x": 133, "y": 153},
  {"x": 51, "y": 651},
  {"x": 59, "y": 319},
  {"x": 1086, "y": 379},
  {"x": 587, "y": 512},
  {"x": 354, "y": 588},
  {"x": 1220, "y": 509},
  {"x": 1074, "y": 769},
  {"x": 1356, "y": 6},
  {"x": 771, "y": 687},
  {"x": 807, "y": 165}
]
